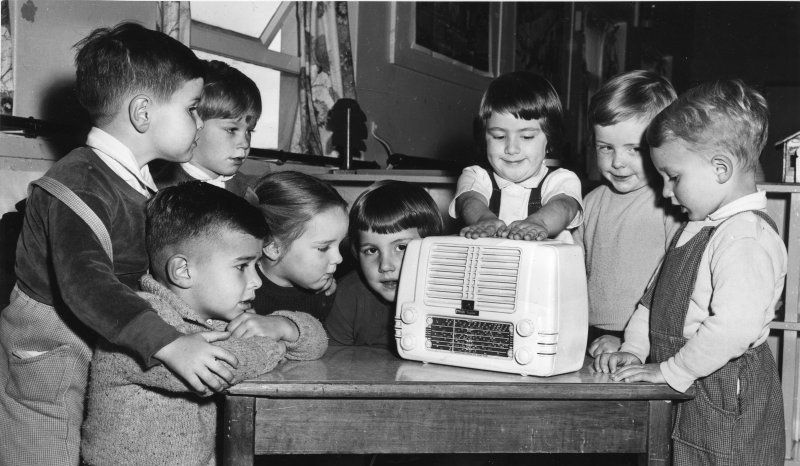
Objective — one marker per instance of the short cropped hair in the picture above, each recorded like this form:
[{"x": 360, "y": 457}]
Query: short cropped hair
[
  {"x": 639, "y": 94},
  {"x": 724, "y": 114},
  {"x": 112, "y": 63},
  {"x": 528, "y": 96},
  {"x": 289, "y": 199},
  {"x": 228, "y": 94},
  {"x": 196, "y": 210},
  {"x": 391, "y": 206}
]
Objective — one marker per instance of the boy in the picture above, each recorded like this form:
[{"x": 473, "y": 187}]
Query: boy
[
  {"x": 704, "y": 319},
  {"x": 141, "y": 89},
  {"x": 383, "y": 220},
  {"x": 203, "y": 243},
  {"x": 519, "y": 197},
  {"x": 626, "y": 225},
  {"x": 229, "y": 107}
]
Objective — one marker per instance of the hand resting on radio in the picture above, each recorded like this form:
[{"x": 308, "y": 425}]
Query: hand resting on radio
[{"x": 484, "y": 229}]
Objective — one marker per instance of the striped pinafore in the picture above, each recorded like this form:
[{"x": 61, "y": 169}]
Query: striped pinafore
[{"x": 736, "y": 417}]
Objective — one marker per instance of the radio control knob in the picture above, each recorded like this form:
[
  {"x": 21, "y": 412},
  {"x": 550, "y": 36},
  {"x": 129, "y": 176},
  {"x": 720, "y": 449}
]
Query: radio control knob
[
  {"x": 523, "y": 356},
  {"x": 525, "y": 328},
  {"x": 408, "y": 315},
  {"x": 408, "y": 342}
]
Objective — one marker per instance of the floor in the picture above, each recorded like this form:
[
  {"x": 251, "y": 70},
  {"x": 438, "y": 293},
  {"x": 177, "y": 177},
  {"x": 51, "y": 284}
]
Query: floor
[{"x": 450, "y": 460}]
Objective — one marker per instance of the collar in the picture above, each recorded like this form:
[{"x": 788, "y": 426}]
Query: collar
[
  {"x": 529, "y": 183},
  {"x": 150, "y": 285},
  {"x": 754, "y": 201},
  {"x": 198, "y": 174},
  {"x": 120, "y": 159}
]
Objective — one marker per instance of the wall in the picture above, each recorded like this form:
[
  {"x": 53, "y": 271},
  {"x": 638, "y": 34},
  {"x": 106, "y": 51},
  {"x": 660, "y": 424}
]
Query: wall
[{"x": 418, "y": 115}]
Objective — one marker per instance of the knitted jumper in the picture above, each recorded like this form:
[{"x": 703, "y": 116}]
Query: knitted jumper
[
  {"x": 271, "y": 297},
  {"x": 138, "y": 416}
]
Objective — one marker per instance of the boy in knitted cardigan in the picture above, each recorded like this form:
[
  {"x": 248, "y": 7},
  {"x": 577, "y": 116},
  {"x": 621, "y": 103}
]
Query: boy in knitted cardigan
[{"x": 203, "y": 243}]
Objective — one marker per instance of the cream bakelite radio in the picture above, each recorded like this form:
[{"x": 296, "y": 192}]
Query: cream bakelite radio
[{"x": 494, "y": 304}]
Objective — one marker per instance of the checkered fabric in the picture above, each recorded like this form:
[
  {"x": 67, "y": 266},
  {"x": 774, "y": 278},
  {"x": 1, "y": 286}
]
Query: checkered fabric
[{"x": 736, "y": 417}]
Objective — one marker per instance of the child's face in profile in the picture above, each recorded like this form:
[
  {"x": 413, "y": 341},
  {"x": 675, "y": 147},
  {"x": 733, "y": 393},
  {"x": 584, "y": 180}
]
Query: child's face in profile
[
  {"x": 310, "y": 261},
  {"x": 380, "y": 256},
  {"x": 222, "y": 145},
  {"x": 619, "y": 156},
  {"x": 175, "y": 123},
  {"x": 224, "y": 277},
  {"x": 690, "y": 179},
  {"x": 516, "y": 148}
]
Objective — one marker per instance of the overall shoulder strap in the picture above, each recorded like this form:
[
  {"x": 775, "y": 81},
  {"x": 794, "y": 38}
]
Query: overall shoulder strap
[
  {"x": 70, "y": 199},
  {"x": 494, "y": 200},
  {"x": 535, "y": 200}
]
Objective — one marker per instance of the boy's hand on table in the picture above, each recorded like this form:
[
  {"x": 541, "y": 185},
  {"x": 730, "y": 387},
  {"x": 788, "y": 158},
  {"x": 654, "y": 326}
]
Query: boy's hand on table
[
  {"x": 608, "y": 363},
  {"x": 247, "y": 325},
  {"x": 483, "y": 229},
  {"x": 639, "y": 373},
  {"x": 604, "y": 344},
  {"x": 528, "y": 230},
  {"x": 198, "y": 362}
]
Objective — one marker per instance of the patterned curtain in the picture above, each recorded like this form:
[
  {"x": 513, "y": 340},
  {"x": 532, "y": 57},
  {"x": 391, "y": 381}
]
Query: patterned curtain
[
  {"x": 326, "y": 72},
  {"x": 7, "y": 66},
  {"x": 174, "y": 19}
]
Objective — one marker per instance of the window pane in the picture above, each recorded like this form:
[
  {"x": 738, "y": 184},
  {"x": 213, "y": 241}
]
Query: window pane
[
  {"x": 248, "y": 18},
  {"x": 268, "y": 82}
]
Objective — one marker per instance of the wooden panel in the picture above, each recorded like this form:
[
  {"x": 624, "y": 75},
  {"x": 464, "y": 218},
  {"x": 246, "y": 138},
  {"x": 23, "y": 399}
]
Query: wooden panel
[
  {"x": 316, "y": 426},
  {"x": 659, "y": 433},
  {"x": 238, "y": 430}
]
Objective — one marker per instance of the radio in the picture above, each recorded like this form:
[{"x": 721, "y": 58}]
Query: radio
[{"x": 495, "y": 304}]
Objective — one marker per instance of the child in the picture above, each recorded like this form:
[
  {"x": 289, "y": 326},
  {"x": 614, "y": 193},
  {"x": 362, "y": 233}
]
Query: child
[
  {"x": 230, "y": 107},
  {"x": 141, "y": 89},
  {"x": 519, "y": 197},
  {"x": 308, "y": 220},
  {"x": 203, "y": 243},
  {"x": 626, "y": 225},
  {"x": 383, "y": 220},
  {"x": 704, "y": 319}
]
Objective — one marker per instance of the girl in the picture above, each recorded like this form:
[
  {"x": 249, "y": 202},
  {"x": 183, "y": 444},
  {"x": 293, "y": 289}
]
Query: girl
[{"x": 308, "y": 220}]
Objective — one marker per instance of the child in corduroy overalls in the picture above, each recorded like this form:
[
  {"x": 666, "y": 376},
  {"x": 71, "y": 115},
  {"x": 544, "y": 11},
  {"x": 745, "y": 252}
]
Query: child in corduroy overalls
[
  {"x": 517, "y": 196},
  {"x": 82, "y": 250},
  {"x": 704, "y": 319}
]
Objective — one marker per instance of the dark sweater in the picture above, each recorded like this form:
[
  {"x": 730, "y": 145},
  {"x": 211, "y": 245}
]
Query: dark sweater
[
  {"x": 169, "y": 174},
  {"x": 359, "y": 317},
  {"x": 271, "y": 297},
  {"x": 60, "y": 261}
]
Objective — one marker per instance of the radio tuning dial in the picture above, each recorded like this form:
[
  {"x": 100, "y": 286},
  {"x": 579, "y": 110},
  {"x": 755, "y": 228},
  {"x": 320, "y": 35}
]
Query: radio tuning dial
[
  {"x": 525, "y": 328},
  {"x": 523, "y": 356},
  {"x": 408, "y": 315},
  {"x": 408, "y": 342}
]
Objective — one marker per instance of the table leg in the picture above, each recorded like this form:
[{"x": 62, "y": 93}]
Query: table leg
[
  {"x": 659, "y": 434},
  {"x": 238, "y": 438}
]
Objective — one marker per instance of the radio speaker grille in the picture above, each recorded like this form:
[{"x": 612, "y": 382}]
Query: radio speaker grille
[
  {"x": 480, "y": 337},
  {"x": 486, "y": 275}
]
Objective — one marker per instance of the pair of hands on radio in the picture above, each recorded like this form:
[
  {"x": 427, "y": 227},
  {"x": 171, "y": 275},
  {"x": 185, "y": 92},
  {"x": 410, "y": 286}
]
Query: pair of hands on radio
[
  {"x": 627, "y": 367},
  {"x": 528, "y": 230}
]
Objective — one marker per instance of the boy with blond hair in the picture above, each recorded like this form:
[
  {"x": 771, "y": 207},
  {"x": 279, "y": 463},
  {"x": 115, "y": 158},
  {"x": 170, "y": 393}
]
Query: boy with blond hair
[{"x": 704, "y": 319}]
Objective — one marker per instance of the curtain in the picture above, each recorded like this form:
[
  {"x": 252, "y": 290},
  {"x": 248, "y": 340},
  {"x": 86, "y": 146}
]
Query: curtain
[
  {"x": 174, "y": 19},
  {"x": 326, "y": 72},
  {"x": 7, "y": 65}
]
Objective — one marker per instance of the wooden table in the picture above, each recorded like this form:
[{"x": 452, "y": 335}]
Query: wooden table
[{"x": 366, "y": 400}]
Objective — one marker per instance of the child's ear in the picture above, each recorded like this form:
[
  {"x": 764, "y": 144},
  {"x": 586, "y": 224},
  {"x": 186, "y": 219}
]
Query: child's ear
[
  {"x": 139, "y": 112},
  {"x": 178, "y": 272},
  {"x": 723, "y": 167},
  {"x": 272, "y": 251}
]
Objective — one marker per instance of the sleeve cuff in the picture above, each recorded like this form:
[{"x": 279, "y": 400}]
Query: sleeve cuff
[
  {"x": 676, "y": 378},
  {"x": 146, "y": 335},
  {"x": 313, "y": 340}
]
